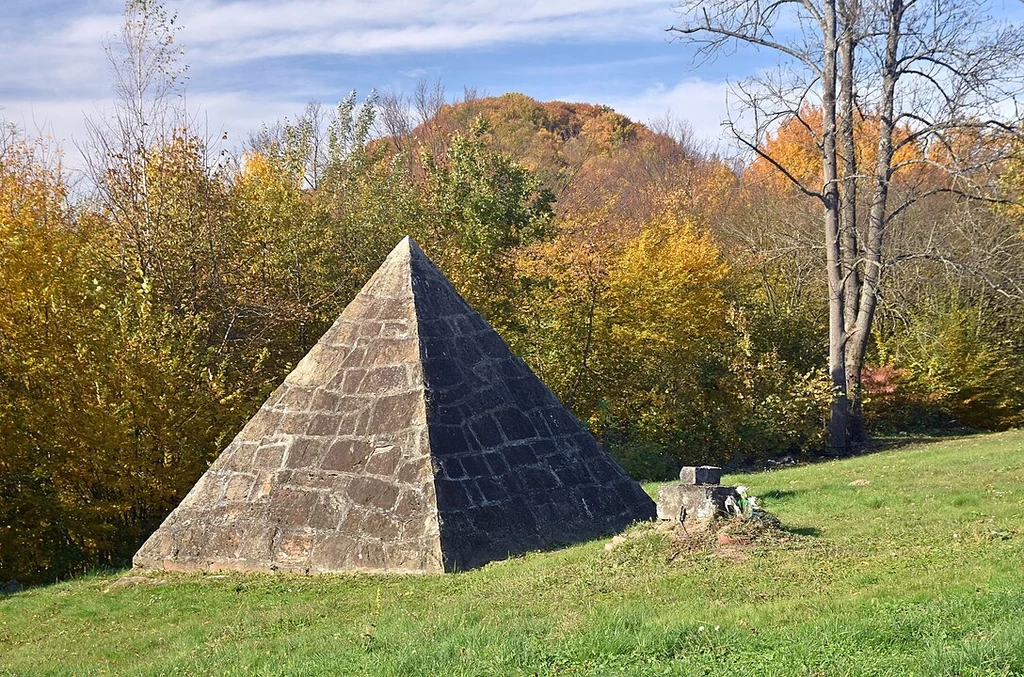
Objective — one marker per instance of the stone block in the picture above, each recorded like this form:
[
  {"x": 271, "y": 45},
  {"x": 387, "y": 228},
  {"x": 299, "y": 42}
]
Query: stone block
[
  {"x": 347, "y": 455},
  {"x": 324, "y": 425},
  {"x": 384, "y": 461},
  {"x": 687, "y": 503},
  {"x": 701, "y": 474},
  {"x": 410, "y": 505},
  {"x": 294, "y": 548},
  {"x": 238, "y": 487},
  {"x": 413, "y": 471},
  {"x": 270, "y": 456},
  {"x": 387, "y": 379},
  {"x": 378, "y": 522}
]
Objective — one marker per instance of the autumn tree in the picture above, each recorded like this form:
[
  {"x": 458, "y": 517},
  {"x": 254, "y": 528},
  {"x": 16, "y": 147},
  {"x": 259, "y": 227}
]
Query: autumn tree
[
  {"x": 147, "y": 113},
  {"x": 481, "y": 205},
  {"x": 315, "y": 209},
  {"x": 40, "y": 279},
  {"x": 941, "y": 70},
  {"x": 113, "y": 403}
]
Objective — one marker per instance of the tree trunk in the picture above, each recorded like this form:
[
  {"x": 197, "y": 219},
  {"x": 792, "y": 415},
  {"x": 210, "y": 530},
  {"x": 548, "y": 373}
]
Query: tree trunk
[
  {"x": 848, "y": 10},
  {"x": 838, "y": 414},
  {"x": 877, "y": 217}
]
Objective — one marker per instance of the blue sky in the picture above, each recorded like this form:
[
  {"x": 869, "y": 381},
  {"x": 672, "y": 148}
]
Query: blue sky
[{"x": 253, "y": 61}]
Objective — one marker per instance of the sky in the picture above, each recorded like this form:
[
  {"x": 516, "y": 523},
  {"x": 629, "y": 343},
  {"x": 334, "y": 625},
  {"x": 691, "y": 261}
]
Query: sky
[{"x": 255, "y": 61}]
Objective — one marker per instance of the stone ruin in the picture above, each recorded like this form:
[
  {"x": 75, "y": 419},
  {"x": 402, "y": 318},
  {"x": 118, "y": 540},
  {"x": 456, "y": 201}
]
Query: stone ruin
[
  {"x": 697, "y": 498},
  {"x": 409, "y": 439}
]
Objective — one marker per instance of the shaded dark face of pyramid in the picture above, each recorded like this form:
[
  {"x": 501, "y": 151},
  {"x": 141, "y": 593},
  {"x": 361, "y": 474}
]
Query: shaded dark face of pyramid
[{"x": 409, "y": 439}]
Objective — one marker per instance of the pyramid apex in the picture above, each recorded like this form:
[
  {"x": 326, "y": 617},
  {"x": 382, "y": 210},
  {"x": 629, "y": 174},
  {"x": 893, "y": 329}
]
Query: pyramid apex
[{"x": 406, "y": 248}]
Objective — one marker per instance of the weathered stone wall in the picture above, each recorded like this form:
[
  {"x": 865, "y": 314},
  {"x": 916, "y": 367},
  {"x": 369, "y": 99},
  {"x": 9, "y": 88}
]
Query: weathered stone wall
[
  {"x": 333, "y": 473},
  {"x": 516, "y": 471}
]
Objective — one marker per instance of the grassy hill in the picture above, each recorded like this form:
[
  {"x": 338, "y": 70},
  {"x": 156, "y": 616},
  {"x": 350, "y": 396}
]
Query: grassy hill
[{"x": 904, "y": 562}]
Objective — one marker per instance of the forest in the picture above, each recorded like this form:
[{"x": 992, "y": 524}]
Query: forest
[{"x": 671, "y": 297}]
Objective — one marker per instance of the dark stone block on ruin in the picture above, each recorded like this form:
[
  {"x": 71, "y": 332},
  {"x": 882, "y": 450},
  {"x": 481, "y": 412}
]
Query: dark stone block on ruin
[
  {"x": 453, "y": 468},
  {"x": 448, "y": 440},
  {"x": 520, "y": 454},
  {"x": 493, "y": 489},
  {"x": 515, "y": 484},
  {"x": 543, "y": 449},
  {"x": 515, "y": 424},
  {"x": 487, "y": 397},
  {"x": 447, "y": 416},
  {"x": 409, "y": 439},
  {"x": 496, "y": 463},
  {"x": 538, "y": 476},
  {"x": 701, "y": 474},
  {"x": 452, "y": 493},
  {"x": 476, "y": 497},
  {"x": 603, "y": 470},
  {"x": 487, "y": 432},
  {"x": 475, "y": 466}
]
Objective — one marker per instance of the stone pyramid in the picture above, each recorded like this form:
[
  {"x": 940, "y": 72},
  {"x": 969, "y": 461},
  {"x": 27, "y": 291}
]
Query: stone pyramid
[{"x": 409, "y": 439}]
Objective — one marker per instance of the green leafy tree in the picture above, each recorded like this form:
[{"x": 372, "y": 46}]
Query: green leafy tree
[{"x": 481, "y": 206}]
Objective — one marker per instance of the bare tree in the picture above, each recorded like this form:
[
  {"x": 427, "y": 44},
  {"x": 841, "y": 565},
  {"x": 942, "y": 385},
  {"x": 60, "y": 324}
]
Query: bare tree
[
  {"x": 314, "y": 121},
  {"x": 681, "y": 131},
  {"x": 395, "y": 120},
  {"x": 428, "y": 99},
  {"x": 152, "y": 175},
  {"x": 936, "y": 79},
  {"x": 148, "y": 79}
]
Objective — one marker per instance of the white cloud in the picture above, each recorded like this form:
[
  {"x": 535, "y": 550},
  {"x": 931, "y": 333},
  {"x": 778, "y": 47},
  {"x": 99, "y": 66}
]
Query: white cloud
[
  {"x": 56, "y": 71},
  {"x": 209, "y": 21},
  {"x": 701, "y": 103},
  {"x": 249, "y": 29},
  {"x": 236, "y": 114},
  {"x": 240, "y": 113},
  {"x": 297, "y": 29},
  {"x": 62, "y": 121}
]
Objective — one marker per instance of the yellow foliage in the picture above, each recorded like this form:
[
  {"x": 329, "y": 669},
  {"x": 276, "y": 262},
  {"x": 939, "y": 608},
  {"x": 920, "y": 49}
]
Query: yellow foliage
[
  {"x": 1011, "y": 180},
  {"x": 33, "y": 242},
  {"x": 664, "y": 291},
  {"x": 627, "y": 326},
  {"x": 112, "y": 403},
  {"x": 559, "y": 306}
]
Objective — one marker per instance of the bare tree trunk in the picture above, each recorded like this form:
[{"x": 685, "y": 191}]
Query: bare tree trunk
[
  {"x": 878, "y": 215},
  {"x": 837, "y": 429},
  {"x": 849, "y": 11}
]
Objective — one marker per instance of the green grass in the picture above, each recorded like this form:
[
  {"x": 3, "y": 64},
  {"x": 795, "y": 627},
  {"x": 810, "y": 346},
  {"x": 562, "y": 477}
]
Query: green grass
[{"x": 920, "y": 572}]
